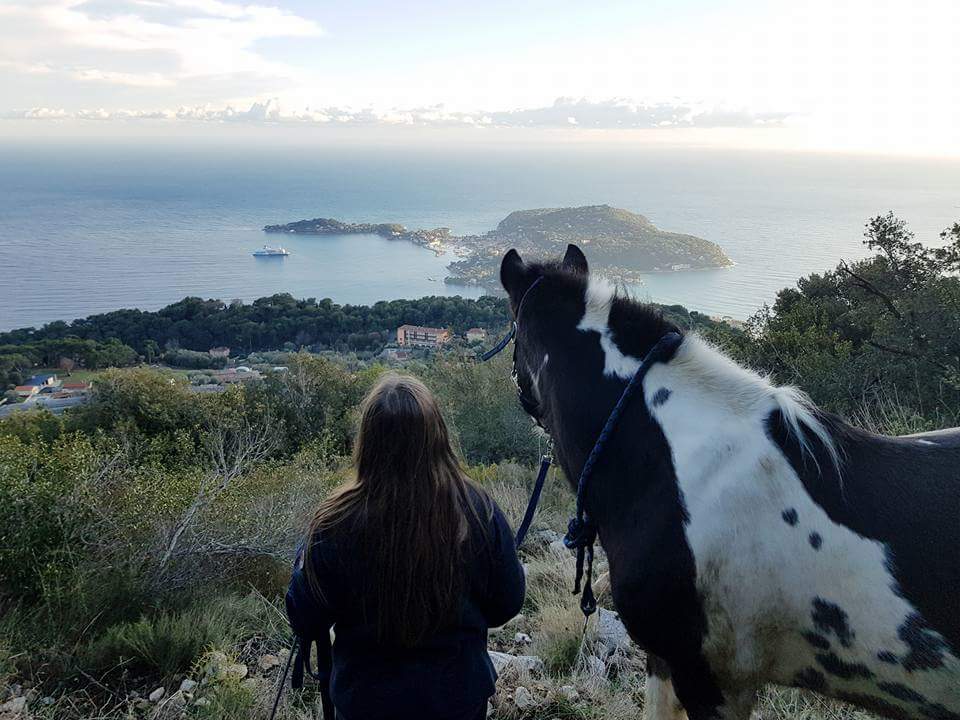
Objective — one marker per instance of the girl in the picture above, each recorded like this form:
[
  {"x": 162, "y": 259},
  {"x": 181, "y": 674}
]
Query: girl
[{"x": 410, "y": 564}]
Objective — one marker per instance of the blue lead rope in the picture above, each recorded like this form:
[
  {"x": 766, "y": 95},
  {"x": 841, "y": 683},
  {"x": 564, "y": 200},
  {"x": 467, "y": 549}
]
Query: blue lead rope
[
  {"x": 534, "y": 500},
  {"x": 581, "y": 531}
]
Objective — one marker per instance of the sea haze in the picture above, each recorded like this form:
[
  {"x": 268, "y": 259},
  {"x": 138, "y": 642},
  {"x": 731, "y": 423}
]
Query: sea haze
[{"x": 87, "y": 230}]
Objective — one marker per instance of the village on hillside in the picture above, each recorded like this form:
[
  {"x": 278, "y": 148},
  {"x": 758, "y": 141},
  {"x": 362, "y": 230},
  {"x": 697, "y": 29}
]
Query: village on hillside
[{"x": 58, "y": 390}]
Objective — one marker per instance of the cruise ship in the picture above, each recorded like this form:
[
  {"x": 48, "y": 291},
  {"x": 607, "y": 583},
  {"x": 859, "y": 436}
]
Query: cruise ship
[{"x": 267, "y": 251}]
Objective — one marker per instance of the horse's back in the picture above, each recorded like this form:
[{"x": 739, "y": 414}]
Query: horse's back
[{"x": 948, "y": 438}]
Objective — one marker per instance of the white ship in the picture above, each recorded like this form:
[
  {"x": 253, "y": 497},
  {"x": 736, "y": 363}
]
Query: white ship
[{"x": 267, "y": 251}]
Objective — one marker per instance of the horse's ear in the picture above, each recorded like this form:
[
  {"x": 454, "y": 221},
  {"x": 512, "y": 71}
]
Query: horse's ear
[
  {"x": 515, "y": 276},
  {"x": 574, "y": 260}
]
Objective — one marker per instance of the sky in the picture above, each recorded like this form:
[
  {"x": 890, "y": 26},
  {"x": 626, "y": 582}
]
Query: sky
[{"x": 877, "y": 76}]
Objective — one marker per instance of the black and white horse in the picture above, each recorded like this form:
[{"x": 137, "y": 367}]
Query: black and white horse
[{"x": 751, "y": 538}]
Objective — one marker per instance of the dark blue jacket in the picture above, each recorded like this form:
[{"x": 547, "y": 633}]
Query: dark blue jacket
[{"x": 447, "y": 676}]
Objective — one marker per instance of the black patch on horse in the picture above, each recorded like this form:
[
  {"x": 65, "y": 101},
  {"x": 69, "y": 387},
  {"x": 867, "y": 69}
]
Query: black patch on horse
[
  {"x": 816, "y": 540},
  {"x": 790, "y": 516},
  {"x": 926, "y": 648},
  {"x": 936, "y": 711},
  {"x": 901, "y": 692},
  {"x": 811, "y": 679},
  {"x": 877, "y": 705},
  {"x": 660, "y": 397},
  {"x": 830, "y": 617},
  {"x": 903, "y": 493},
  {"x": 842, "y": 669},
  {"x": 887, "y": 657},
  {"x": 816, "y": 640}
]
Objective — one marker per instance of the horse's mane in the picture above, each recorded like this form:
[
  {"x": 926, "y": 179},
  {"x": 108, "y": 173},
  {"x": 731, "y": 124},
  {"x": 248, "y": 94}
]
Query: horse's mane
[{"x": 637, "y": 326}]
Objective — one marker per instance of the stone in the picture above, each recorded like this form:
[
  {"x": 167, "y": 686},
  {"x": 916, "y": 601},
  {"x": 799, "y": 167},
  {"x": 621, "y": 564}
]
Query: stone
[
  {"x": 521, "y": 638},
  {"x": 523, "y": 698},
  {"x": 268, "y": 662},
  {"x": 157, "y": 695},
  {"x": 236, "y": 671},
  {"x": 15, "y": 707},
  {"x": 611, "y": 632},
  {"x": 188, "y": 685},
  {"x": 201, "y": 702},
  {"x": 215, "y": 664},
  {"x": 558, "y": 548},
  {"x": 545, "y": 536},
  {"x": 177, "y": 702},
  {"x": 568, "y": 692},
  {"x": 529, "y": 663}
]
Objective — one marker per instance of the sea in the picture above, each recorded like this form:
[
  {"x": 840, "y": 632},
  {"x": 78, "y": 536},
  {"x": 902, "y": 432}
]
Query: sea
[{"x": 91, "y": 228}]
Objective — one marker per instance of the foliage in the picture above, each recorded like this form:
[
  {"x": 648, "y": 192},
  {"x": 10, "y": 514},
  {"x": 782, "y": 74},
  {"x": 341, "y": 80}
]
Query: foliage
[
  {"x": 856, "y": 334},
  {"x": 172, "y": 641},
  {"x": 265, "y": 324},
  {"x": 192, "y": 359},
  {"x": 480, "y": 401}
]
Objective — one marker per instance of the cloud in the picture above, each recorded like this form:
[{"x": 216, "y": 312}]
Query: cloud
[
  {"x": 99, "y": 41},
  {"x": 616, "y": 114}
]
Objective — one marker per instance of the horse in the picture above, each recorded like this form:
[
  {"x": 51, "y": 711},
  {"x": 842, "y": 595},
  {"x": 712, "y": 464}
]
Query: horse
[{"x": 751, "y": 537}]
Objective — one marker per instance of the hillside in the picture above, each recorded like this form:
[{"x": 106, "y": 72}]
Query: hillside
[{"x": 618, "y": 242}]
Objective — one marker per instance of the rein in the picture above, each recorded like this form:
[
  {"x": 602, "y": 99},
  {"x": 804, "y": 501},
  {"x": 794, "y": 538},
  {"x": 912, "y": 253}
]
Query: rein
[{"x": 581, "y": 530}]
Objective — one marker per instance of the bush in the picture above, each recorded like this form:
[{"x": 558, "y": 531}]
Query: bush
[{"x": 169, "y": 642}]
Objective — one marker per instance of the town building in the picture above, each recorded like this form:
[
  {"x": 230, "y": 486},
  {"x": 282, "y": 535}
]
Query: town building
[
  {"x": 220, "y": 352},
  {"x": 476, "y": 335},
  {"x": 417, "y": 336},
  {"x": 26, "y": 391}
]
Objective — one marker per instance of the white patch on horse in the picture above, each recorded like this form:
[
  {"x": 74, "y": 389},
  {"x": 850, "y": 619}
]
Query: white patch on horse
[
  {"x": 660, "y": 701},
  {"x": 599, "y": 298},
  {"x": 757, "y": 575}
]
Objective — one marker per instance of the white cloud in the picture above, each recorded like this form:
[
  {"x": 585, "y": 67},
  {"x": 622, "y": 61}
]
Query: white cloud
[
  {"x": 91, "y": 41},
  {"x": 618, "y": 114}
]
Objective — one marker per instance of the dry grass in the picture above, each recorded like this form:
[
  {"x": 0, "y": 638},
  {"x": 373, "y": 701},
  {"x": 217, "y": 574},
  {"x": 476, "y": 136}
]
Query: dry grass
[{"x": 573, "y": 685}]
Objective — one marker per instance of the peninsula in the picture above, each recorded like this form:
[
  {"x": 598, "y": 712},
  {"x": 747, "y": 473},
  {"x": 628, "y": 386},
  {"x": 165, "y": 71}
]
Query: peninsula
[{"x": 619, "y": 243}]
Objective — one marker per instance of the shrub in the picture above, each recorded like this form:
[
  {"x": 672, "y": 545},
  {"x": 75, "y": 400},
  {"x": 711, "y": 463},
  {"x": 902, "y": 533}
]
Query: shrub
[{"x": 172, "y": 641}]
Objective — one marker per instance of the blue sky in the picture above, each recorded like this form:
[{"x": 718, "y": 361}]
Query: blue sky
[{"x": 871, "y": 75}]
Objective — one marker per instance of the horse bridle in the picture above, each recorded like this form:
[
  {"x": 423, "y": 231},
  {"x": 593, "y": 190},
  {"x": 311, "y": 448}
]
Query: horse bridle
[{"x": 581, "y": 530}]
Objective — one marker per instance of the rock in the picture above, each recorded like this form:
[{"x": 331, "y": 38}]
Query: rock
[
  {"x": 14, "y": 708},
  {"x": 611, "y": 632},
  {"x": 268, "y": 662},
  {"x": 558, "y": 548},
  {"x": 157, "y": 695},
  {"x": 523, "y": 698},
  {"x": 545, "y": 536},
  {"x": 236, "y": 671},
  {"x": 568, "y": 692},
  {"x": 188, "y": 685},
  {"x": 15, "y": 690},
  {"x": 47, "y": 700},
  {"x": 201, "y": 702},
  {"x": 176, "y": 702},
  {"x": 529, "y": 663},
  {"x": 214, "y": 666},
  {"x": 521, "y": 638}
]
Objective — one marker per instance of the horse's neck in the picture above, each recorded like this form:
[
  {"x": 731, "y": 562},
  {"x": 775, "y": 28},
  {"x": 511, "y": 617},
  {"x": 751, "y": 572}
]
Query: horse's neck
[{"x": 715, "y": 415}]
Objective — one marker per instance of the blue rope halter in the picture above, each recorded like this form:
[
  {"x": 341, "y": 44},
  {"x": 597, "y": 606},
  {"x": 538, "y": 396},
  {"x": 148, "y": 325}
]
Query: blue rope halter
[{"x": 582, "y": 531}]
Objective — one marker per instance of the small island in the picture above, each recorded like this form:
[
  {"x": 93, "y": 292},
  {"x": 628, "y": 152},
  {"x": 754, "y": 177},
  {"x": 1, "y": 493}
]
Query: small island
[{"x": 619, "y": 243}]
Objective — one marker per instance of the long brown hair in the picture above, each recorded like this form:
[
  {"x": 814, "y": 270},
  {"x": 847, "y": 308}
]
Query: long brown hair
[{"x": 405, "y": 516}]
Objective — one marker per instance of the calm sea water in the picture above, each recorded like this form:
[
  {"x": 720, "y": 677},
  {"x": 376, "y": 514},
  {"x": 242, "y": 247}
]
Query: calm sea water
[{"x": 86, "y": 230}]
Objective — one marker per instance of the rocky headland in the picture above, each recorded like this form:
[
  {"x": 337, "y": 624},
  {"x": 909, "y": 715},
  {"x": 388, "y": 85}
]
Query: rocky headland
[{"x": 619, "y": 243}]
